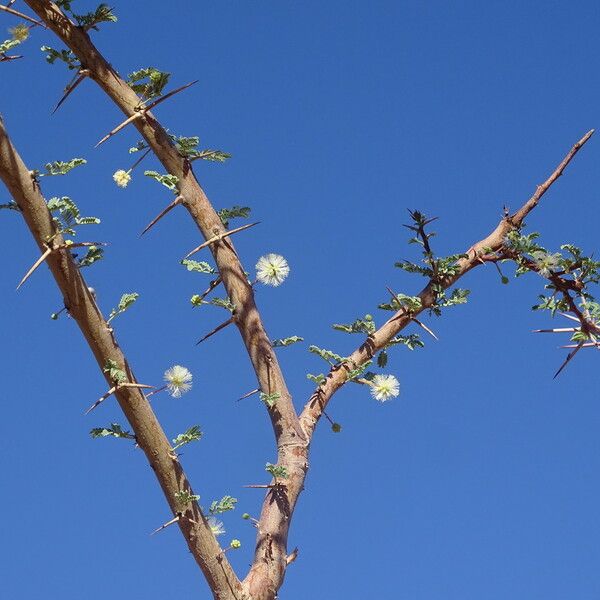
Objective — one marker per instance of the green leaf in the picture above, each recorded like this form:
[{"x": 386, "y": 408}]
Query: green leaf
[
  {"x": 169, "y": 181},
  {"x": 355, "y": 373},
  {"x": 223, "y": 303},
  {"x": 288, "y": 341},
  {"x": 115, "y": 374},
  {"x": 93, "y": 254},
  {"x": 59, "y": 167},
  {"x": 401, "y": 301},
  {"x": 365, "y": 325},
  {"x": 102, "y": 14},
  {"x": 115, "y": 430},
  {"x": 382, "y": 359},
  {"x": 193, "y": 434},
  {"x": 278, "y": 472},
  {"x": 318, "y": 379},
  {"x": 270, "y": 399},
  {"x": 212, "y": 155},
  {"x": 411, "y": 341},
  {"x": 148, "y": 82},
  {"x": 235, "y": 212},
  {"x": 198, "y": 266},
  {"x": 66, "y": 56},
  {"x": 124, "y": 303},
  {"x": 68, "y": 215},
  {"x": 184, "y": 497},
  {"x": 223, "y": 505},
  {"x": 327, "y": 355}
]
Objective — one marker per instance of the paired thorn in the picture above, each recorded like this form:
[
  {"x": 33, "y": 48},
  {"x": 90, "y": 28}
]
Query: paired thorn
[
  {"x": 16, "y": 13},
  {"x": 49, "y": 250},
  {"x": 219, "y": 237},
  {"x": 83, "y": 73},
  {"x": 141, "y": 112},
  {"x": 113, "y": 390},
  {"x": 171, "y": 206},
  {"x": 217, "y": 329}
]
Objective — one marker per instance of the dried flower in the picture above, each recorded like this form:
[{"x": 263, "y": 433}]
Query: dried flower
[{"x": 19, "y": 32}]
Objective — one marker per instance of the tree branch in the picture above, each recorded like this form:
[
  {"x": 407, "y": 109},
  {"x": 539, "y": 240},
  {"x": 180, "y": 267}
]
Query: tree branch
[
  {"x": 284, "y": 419},
  {"x": 99, "y": 336},
  {"x": 336, "y": 378},
  {"x": 269, "y": 565}
]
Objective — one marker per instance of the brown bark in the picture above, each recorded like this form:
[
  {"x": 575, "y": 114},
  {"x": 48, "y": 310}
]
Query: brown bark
[{"x": 102, "y": 342}]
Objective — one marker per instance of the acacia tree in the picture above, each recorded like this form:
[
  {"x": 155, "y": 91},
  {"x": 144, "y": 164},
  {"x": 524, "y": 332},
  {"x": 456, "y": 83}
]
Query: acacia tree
[{"x": 54, "y": 222}]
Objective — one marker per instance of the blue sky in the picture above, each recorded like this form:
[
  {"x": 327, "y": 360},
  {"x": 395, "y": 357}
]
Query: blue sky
[{"x": 481, "y": 480}]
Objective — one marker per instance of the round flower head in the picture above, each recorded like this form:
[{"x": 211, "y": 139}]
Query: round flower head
[
  {"x": 272, "y": 269},
  {"x": 546, "y": 263},
  {"x": 384, "y": 387},
  {"x": 216, "y": 526},
  {"x": 179, "y": 380},
  {"x": 122, "y": 178}
]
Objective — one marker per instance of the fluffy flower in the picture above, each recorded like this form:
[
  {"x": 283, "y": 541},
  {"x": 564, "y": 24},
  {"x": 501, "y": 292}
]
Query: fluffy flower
[
  {"x": 272, "y": 269},
  {"x": 546, "y": 263},
  {"x": 122, "y": 178},
  {"x": 179, "y": 380},
  {"x": 216, "y": 526},
  {"x": 384, "y": 387}
]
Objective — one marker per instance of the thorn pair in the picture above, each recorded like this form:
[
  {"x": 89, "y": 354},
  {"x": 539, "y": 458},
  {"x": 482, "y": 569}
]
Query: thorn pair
[
  {"x": 141, "y": 112},
  {"x": 49, "y": 250}
]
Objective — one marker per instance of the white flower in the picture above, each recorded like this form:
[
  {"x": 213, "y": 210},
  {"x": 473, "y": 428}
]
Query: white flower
[
  {"x": 546, "y": 263},
  {"x": 384, "y": 387},
  {"x": 216, "y": 526},
  {"x": 272, "y": 269},
  {"x": 122, "y": 178},
  {"x": 179, "y": 380}
]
